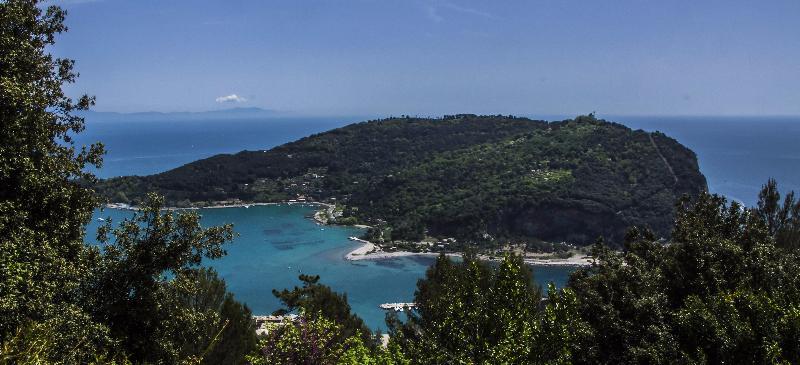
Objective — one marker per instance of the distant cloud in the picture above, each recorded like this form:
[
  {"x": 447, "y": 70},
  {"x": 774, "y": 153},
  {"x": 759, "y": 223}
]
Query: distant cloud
[
  {"x": 471, "y": 11},
  {"x": 432, "y": 11},
  {"x": 232, "y": 98},
  {"x": 433, "y": 14}
]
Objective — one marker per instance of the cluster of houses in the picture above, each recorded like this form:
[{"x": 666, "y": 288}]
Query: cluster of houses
[
  {"x": 397, "y": 307},
  {"x": 441, "y": 244},
  {"x": 265, "y": 324},
  {"x": 299, "y": 199}
]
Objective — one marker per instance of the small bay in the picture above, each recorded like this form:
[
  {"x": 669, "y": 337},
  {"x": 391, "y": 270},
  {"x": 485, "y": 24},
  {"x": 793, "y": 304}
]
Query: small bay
[{"x": 277, "y": 243}]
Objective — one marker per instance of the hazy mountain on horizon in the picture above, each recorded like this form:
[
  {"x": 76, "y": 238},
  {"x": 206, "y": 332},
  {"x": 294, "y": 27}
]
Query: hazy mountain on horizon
[{"x": 222, "y": 114}]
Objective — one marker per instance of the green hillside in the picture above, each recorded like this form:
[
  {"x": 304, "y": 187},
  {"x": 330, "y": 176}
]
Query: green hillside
[{"x": 479, "y": 179}]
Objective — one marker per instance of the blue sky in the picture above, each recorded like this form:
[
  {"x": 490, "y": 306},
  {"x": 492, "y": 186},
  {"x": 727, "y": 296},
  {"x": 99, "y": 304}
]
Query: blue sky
[{"x": 427, "y": 57}]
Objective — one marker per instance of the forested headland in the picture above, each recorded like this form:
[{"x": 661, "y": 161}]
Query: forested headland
[
  {"x": 723, "y": 288},
  {"x": 480, "y": 179}
]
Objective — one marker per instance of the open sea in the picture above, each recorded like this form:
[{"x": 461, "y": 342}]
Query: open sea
[{"x": 277, "y": 243}]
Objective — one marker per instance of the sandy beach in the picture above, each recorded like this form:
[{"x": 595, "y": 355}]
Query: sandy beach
[
  {"x": 576, "y": 260},
  {"x": 370, "y": 251},
  {"x": 362, "y": 252}
]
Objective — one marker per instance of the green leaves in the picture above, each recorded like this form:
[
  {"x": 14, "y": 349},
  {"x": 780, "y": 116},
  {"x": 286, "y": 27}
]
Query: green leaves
[
  {"x": 131, "y": 292},
  {"x": 721, "y": 291},
  {"x": 481, "y": 179},
  {"x": 477, "y": 313},
  {"x": 305, "y": 341},
  {"x": 314, "y": 339},
  {"x": 314, "y": 299},
  {"x": 43, "y": 208},
  {"x": 782, "y": 220}
]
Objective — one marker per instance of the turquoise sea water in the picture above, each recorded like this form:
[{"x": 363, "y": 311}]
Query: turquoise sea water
[{"x": 277, "y": 242}]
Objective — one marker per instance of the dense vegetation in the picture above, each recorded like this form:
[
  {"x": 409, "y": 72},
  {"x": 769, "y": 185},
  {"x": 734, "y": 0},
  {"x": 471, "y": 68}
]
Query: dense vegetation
[
  {"x": 480, "y": 179},
  {"x": 141, "y": 295},
  {"x": 725, "y": 288},
  {"x": 317, "y": 300},
  {"x": 474, "y": 313},
  {"x": 571, "y": 181}
]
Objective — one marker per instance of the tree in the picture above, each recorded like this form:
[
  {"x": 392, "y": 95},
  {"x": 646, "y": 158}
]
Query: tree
[
  {"x": 316, "y": 299},
  {"x": 476, "y": 313},
  {"x": 130, "y": 290},
  {"x": 783, "y": 220},
  {"x": 721, "y": 291},
  {"x": 238, "y": 339},
  {"x": 560, "y": 330},
  {"x": 72, "y": 301},
  {"x": 218, "y": 329},
  {"x": 315, "y": 340},
  {"x": 43, "y": 205}
]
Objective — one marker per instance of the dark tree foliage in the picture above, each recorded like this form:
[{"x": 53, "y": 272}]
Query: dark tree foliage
[
  {"x": 317, "y": 341},
  {"x": 355, "y": 153},
  {"x": 571, "y": 181},
  {"x": 724, "y": 289},
  {"x": 783, "y": 220},
  {"x": 481, "y": 179},
  {"x": 314, "y": 299},
  {"x": 228, "y": 333},
  {"x": 43, "y": 209},
  {"x": 51, "y": 303},
  {"x": 475, "y": 313},
  {"x": 130, "y": 286},
  {"x": 55, "y": 292},
  {"x": 721, "y": 291}
]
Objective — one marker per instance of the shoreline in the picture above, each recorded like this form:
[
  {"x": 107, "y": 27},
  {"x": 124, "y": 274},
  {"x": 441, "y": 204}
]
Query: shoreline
[
  {"x": 220, "y": 206},
  {"x": 371, "y": 251},
  {"x": 368, "y": 250}
]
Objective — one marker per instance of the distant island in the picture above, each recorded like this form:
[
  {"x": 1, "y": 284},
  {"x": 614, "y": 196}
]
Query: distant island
[
  {"x": 222, "y": 114},
  {"x": 459, "y": 181}
]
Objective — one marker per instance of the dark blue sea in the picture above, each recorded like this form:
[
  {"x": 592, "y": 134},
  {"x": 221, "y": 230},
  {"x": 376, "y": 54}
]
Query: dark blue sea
[{"x": 277, "y": 243}]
